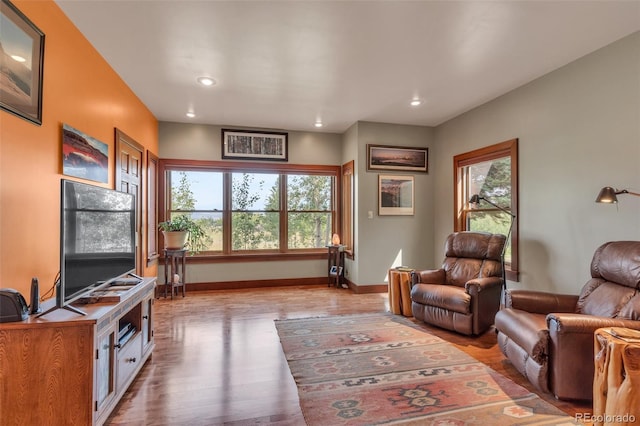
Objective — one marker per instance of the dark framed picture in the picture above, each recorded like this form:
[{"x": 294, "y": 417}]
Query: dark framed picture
[
  {"x": 397, "y": 158},
  {"x": 395, "y": 195},
  {"x": 21, "y": 64},
  {"x": 84, "y": 156},
  {"x": 254, "y": 145}
]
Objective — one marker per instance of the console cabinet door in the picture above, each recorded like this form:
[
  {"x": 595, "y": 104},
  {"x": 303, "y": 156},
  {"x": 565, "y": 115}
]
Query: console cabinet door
[
  {"x": 46, "y": 373},
  {"x": 147, "y": 324},
  {"x": 105, "y": 369}
]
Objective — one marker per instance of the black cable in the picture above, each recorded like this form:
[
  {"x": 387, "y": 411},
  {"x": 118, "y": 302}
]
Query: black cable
[{"x": 49, "y": 292}]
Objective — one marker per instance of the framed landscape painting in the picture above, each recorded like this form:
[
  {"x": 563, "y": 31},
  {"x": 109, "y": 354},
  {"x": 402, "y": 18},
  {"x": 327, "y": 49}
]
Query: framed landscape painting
[
  {"x": 397, "y": 158},
  {"x": 84, "y": 156},
  {"x": 21, "y": 64},
  {"x": 395, "y": 195},
  {"x": 254, "y": 145}
]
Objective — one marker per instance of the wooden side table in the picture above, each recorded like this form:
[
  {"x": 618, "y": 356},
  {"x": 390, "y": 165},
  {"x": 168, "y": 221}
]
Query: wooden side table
[
  {"x": 616, "y": 399},
  {"x": 335, "y": 265},
  {"x": 400, "y": 291},
  {"x": 175, "y": 270}
]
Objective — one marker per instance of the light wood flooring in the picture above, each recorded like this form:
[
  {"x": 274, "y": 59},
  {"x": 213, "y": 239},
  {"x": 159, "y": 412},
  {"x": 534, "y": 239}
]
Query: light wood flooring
[{"x": 218, "y": 359}]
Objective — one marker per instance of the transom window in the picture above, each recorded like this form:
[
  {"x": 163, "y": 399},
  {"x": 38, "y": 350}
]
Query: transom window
[
  {"x": 274, "y": 210},
  {"x": 490, "y": 173}
]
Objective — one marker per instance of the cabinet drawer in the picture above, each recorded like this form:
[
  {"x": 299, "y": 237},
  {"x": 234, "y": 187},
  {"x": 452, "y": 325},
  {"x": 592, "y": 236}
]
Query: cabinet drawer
[{"x": 129, "y": 359}]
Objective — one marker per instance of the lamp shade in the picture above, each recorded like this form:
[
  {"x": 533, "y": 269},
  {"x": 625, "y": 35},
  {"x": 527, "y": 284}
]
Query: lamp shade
[
  {"x": 475, "y": 199},
  {"x": 607, "y": 195}
]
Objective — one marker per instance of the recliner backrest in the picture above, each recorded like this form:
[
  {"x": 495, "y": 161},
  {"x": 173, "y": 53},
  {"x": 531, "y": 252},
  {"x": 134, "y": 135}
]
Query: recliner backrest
[
  {"x": 472, "y": 255},
  {"x": 614, "y": 289}
]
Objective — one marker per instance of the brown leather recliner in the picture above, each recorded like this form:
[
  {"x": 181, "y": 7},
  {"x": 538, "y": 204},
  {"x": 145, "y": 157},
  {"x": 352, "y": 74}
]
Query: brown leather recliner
[
  {"x": 463, "y": 295},
  {"x": 549, "y": 337}
]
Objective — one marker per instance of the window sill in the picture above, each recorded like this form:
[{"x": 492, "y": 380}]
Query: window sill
[{"x": 258, "y": 257}]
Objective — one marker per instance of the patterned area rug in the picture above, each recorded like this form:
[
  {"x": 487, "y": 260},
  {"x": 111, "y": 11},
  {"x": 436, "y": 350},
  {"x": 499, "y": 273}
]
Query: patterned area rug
[{"x": 382, "y": 369}]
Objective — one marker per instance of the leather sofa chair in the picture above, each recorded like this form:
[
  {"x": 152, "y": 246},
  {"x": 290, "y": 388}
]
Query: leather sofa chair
[
  {"x": 464, "y": 294},
  {"x": 549, "y": 338}
]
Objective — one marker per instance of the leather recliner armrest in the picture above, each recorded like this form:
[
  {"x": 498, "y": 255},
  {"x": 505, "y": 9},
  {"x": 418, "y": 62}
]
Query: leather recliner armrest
[
  {"x": 563, "y": 323},
  {"x": 571, "y": 343},
  {"x": 476, "y": 285},
  {"x": 429, "y": 276},
  {"x": 538, "y": 302}
]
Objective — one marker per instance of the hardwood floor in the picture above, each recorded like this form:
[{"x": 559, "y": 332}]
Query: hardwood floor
[{"x": 218, "y": 359}]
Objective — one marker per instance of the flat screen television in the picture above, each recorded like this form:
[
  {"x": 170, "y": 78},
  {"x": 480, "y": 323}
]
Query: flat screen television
[{"x": 97, "y": 239}]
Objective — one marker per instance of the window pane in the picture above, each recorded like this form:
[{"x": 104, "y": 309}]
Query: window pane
[
  {"x": 492, "y": 180},
  {"x": 309, "y": 230},
  {"x": 199, "y": 195},
  {"x": 196, "y": 190},
  {"x": 255, "y": 192},
  {"x": 211, "y": 222},
  {"x": 255, "y": 231},
  {"x": 309, "y": 192},
  {"x": 253, "y": 225},
  {"x": 494, "y": 221}
]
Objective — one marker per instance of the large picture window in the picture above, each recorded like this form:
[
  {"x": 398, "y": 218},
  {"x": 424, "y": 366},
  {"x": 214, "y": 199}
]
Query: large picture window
[
  {"x": 245, "y": 210},
  {"x": 492, "y": 174}
]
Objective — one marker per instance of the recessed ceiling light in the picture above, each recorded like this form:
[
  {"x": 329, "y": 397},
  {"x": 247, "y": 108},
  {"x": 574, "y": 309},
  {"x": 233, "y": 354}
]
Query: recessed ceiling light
[
  {"x": 191, "y": 114},
  {"x": 206, "y": 81},
  {"x": 416, "y": 102},
  {"x": 18, "y": 58},
  {"x": 318, "y": 124}
]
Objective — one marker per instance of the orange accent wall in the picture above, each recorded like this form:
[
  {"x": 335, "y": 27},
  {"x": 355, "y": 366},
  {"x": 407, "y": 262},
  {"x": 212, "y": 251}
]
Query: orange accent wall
[{"x": 82, "y": 90}]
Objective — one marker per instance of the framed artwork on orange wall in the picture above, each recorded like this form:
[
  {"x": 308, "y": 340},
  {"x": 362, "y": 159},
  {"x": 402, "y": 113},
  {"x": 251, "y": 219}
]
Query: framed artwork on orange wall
[
  {"x": 83, "y": 156},
  {"x": 21, "y": 64}
]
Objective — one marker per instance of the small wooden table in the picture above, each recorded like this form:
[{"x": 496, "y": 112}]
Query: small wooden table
[
  {"x": 175, "y": 271},
  {"x": 335, "y": 265},
  {"x": 400, "y": 291},
  {"x": 616, "y": 383}
]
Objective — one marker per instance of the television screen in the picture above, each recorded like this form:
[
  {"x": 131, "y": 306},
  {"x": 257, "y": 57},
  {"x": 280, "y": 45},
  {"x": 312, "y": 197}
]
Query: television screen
[{"x": 97, "y": 238}]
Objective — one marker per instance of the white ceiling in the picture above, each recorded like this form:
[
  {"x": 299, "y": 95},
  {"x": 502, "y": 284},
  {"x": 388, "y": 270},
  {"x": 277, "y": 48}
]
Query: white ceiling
[{"x": 286, "y": 64}]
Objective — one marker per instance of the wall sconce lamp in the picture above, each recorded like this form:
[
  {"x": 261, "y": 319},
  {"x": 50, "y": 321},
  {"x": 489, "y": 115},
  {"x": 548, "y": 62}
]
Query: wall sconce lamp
[{"x": 610, "y": 195}]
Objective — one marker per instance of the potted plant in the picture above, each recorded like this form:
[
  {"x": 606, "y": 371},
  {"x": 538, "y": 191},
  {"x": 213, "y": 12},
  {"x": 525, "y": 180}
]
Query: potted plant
[{"x": 182, "y": 231}]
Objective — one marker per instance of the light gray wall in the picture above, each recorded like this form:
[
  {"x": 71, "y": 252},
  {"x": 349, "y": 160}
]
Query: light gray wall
[
  {"x": 578, "y": 130},
  {"x": 387, "y": 241},
  {"x": 203, "y": 142}
]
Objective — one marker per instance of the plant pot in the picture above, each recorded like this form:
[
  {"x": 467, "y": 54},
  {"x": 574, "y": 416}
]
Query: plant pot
[{"x": 175, "y": 239}]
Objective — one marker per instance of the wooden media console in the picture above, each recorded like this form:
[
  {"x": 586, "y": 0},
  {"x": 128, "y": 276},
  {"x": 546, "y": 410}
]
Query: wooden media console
[{"x": 65, "y": 368}]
